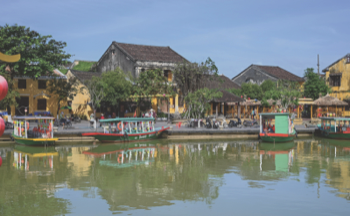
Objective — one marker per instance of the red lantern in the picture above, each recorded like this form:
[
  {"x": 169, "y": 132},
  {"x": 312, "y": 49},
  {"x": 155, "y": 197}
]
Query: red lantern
[
  {"x": 3, "y": 87},
  {"x": 0, "y": 161},
  {"x": 2, "y": 126}
]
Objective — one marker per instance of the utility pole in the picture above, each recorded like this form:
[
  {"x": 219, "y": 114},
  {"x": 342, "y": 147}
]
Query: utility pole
[{"x": 318, "y": 65}]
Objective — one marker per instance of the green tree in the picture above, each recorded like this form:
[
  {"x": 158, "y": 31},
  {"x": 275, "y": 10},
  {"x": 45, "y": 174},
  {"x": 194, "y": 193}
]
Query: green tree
[
  {"x": 268, "y": 85},
  {"x": 198, "y": 102},
  {"x": 190, "y": 77},
  {"x": 63, "y": 89},
  {"x": 314, "y": 85},
  {"x": 152, "y": 83},
  {"x": 96, "y": 88},
  {"x": 117, "y": 86},
  {"x": 39, "y": 55},
  {"x": 286, "y": 91}
]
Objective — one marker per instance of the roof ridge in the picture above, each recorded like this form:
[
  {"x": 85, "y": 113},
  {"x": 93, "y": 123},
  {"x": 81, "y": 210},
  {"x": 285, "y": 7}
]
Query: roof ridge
[{"x": 140, "y": 44}]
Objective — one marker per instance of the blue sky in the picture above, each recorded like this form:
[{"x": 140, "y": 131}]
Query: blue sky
[{"x": 234, "y": 34}]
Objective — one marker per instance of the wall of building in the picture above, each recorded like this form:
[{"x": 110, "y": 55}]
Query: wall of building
[
  {"x": 254, "y": 76},
  {"x": 341, "y": 92},
  {"x": 32, "y": 90},
  {"x": 110, "y": 61},
  {"x": 79, "y": 103}
]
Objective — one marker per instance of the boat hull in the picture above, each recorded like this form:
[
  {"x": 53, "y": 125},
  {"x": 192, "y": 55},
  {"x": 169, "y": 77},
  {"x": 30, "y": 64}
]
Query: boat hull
[
  {"x": 116, "y": 138},
  {"x": 335, "y": 135},
  {"x": 34, "y": 141},
  {"x": 277, "y": 138}
]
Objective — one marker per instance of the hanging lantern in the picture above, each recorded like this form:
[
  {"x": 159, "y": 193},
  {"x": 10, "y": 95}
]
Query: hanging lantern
[
  {"x": 3, "y": 87},
  {"x": 2, "y": 126}
]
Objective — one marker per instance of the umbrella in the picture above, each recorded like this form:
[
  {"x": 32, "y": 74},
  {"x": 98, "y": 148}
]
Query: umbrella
[{"x": 66, "y": 107}]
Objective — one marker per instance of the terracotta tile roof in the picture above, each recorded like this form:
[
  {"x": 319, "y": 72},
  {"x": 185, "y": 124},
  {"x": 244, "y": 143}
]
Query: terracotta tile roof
[
  {"x": 150, "y": 53},
  {"x": 280, "y": 73},
  {"x": 82, "y": 75},
  {"x": 221, "y": 82},
  {"x": 228, "y": 97}
]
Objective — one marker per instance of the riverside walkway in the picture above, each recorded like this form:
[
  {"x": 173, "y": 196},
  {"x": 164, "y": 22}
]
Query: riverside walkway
[{"x": 73, "y": 134}]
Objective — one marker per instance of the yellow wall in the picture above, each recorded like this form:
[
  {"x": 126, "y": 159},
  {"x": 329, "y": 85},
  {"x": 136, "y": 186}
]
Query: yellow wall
[
  {"x": 341, "y": 92},
  {"x": 79, "y": 103},
  {"x": 30, "y": 91}
]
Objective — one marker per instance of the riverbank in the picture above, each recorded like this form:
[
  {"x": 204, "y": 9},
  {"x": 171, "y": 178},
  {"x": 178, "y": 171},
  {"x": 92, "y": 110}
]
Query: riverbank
[{"x": 74, "y": 134}]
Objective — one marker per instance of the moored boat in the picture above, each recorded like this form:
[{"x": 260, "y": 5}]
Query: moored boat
[
  {"x": 127, "y": 130},
  {"x": 282, "y": 131},
  {"x": 334, "y": 128},
  {"x": 42, "y": 134}
]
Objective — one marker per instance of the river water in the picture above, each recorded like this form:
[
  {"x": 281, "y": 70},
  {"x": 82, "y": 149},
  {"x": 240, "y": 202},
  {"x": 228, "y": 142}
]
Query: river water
[{"x": 177, "y": 178}]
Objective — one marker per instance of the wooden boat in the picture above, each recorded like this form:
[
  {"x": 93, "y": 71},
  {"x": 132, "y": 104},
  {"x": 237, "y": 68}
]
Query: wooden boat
[
  {"x": 42, "y": 134},
  {"x": 334, "y": 128},
  {"x": 282, "y": 131},
  {"x": 127, "y": 130}
]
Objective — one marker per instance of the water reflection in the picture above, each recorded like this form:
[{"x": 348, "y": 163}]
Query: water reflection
[{"x": 146, "y": 175}]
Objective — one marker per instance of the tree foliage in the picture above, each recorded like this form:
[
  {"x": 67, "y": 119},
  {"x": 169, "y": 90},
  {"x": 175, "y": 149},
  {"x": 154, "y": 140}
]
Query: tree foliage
[
  {"x": 254, "y": 91},
  {"x": 39, "y": 54},
  {"x": 190, "y": 77},
  {"x": 117, "y": 86},
  {"x": 96, "y": 89},
  {"x": 314, "y": 85},
  {"x": 151, "y": 83},
  {"x": 63, "y": 89},
  {"x": 286, "y": 91},
  {"x": 198, "y": 102}
]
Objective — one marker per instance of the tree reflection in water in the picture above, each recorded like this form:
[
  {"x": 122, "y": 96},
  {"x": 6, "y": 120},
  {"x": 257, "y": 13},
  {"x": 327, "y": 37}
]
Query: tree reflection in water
[{"x": 145, "y": 175}]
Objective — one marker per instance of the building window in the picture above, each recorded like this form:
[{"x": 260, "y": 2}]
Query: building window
[
  {"x": 41, "y": 84},
  {"x": 22, "y": 84},
  {"x": 166, "y": 73},
  {"x": 347, "y": 60},
  {"x": 142, "y": 70},
  {"x": 41, "y": 104},
  {"x": 334, "y": 80}
]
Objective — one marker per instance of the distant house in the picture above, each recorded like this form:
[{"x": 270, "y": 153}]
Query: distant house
[
  {"x": 34, "y": 95},
  {"x": 338, "y": 78},
  {"x": 259, "y": 73},
  {"x": 137, "y": 58}
]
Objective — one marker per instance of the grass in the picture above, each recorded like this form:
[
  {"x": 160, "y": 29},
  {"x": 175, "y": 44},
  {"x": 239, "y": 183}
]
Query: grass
[
  {"x": 83, "y": 66},
  {"x": 63, "y": 70}
]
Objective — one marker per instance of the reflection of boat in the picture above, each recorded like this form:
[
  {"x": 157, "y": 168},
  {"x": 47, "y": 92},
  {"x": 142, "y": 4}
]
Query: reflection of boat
[
  {"x": 36, "y": 151},
  {"x": 278, "y": 157},
  {"x": 344, "y": 144},
  {"x": 275, "y": 148},
  {"x": 282, "y": 131},
  {"x": 102, "y": 150},
  {"x": 41, "y": 135},
  {"x": 335, "y": 131},
  {"x": 122, "y": 156},
  {"x": 38, "y": 158},
  {"x": 127, "y": 129}
]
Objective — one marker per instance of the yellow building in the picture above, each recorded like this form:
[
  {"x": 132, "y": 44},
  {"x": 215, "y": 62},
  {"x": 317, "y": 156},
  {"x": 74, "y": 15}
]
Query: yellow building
[
  {"x": 337, "y": 76},
  {"x": 35, "y": 99},
  {"x": 79, "y": 104}
]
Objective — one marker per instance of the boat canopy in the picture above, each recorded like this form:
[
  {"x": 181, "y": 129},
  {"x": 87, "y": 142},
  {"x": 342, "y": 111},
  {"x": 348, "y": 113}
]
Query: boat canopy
[
  {"x": 125, "y": 120},
  {"x": 272, "y": 115},
  {"x": 335, "y": 119},
  {"x": 33, "y": 117}
]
